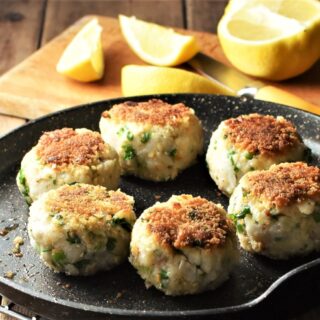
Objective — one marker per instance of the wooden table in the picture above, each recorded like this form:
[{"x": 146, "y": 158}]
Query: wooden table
[{"x": 26, "y": 25}]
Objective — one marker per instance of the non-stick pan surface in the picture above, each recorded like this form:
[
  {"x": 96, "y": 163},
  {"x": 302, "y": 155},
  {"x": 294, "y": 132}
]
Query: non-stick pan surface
[{"x": 121, "y": 292}]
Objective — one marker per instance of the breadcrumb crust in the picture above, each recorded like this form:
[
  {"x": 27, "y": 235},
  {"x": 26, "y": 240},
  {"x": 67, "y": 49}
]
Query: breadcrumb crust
[
  {"x": 262, "y": 134},
  {"x": 189, "y": 222},
  {"x": 154, "y": 112},
  {"x": 66, "y": 146},
  {"x": 79, "y": 202},
  {"x": 285, "y": 184}
]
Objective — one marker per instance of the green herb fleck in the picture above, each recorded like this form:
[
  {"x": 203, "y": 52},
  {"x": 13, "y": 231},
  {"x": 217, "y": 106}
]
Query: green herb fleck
[
  {"x": 172, "y": 153},
  {"x": 163, "y": 278},
  {"x": 215, "y": 145},
  {"x": 121, "y": 131},
  {"x": 22, "y": 178},
  {"x": 125, "y": 130},
  {"x": 230, "y": 156},
  {"x": 45, "y": 249},
  {"x": 164, "y": 275},
  {"x": 240, "y": 227},
  {"x": 111, "y": 244},
  {"x": 244, "y": 192},
  {"x": 130, "y": 135},
  {"x": 235, "y": 216},
  {"x": 249, "y": 155},
  {"x": 58, "y": 258},
  {"x": 73, "y": 238},
  {"x": 58, "y": 218},
  {"x": 129, "y": 152},
  {"x": 145, "y": 137},
  {"x": 24, "y": 188},
  {"x": 316, "y": 216},
  {"x": 246, "y": 210},
  {"x": 239, "y": 216},
  {"x": 123, "y": 223}
]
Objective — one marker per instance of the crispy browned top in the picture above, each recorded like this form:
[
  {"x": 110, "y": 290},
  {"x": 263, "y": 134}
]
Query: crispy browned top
[
  {"x": 155, "y": 112},
  {"x": 191, "y": 222},
  {"x": 84, "y": 200},
  {"x": 286, "y": 183},
  {"x": 66, "y": 146},
  {"x": 262, "y": 134}
]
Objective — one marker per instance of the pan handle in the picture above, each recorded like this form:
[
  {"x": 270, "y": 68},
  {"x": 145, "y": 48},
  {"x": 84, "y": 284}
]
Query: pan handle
[
  {"x": 6, "y": 308},
  {"x": 273, "y": 94}
]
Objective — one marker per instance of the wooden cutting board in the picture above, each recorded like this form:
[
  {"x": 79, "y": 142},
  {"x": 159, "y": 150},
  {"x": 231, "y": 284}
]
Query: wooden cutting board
[{"x": 34, "y": 88}]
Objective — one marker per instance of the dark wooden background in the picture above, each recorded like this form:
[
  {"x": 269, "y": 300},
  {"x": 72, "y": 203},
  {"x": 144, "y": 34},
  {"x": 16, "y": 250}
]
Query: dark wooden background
[{"x": 26, "y": 25}]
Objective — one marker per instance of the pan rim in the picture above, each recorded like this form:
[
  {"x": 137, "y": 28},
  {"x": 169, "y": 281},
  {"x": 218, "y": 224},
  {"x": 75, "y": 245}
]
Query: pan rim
[{"x": 147, "y": 313}]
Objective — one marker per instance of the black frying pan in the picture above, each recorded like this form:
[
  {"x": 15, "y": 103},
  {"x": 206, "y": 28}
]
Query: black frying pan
[{"x": 120, "y": 293}]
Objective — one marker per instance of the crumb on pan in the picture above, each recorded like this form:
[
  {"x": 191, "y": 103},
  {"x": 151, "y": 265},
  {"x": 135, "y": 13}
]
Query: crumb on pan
[
  {"x": 7, "y": 229},
  {"x": 16, "y": 250},
  {"x": 4, "y": 232},
  {"x": 9, "y": 275},
  {"x": 18, "y": 241}
]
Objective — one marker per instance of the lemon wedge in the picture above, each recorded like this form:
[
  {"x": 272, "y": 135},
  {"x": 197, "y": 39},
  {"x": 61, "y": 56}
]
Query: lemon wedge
[
  {"x": 142, "y": 80},
  {"x": 271, "y": 39},
  {"x": 83, "y": 59},
  {"x": 156, "y": 44}
]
